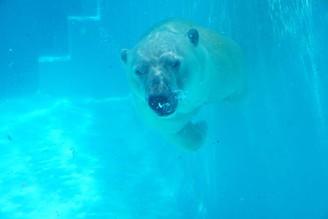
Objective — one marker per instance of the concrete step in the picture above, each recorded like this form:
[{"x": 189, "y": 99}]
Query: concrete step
[{"x": 83, "y": 71}]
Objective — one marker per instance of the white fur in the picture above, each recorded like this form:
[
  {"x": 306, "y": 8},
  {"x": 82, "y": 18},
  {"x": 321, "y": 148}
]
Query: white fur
[{"x": 210, "y": 71}]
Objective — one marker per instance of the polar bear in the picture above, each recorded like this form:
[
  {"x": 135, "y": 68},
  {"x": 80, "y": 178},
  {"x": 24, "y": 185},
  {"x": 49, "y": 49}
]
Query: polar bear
[{"x": 174, "y": 70}]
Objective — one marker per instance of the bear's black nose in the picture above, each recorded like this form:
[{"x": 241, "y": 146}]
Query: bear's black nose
[{"x": 163, "y": 104}]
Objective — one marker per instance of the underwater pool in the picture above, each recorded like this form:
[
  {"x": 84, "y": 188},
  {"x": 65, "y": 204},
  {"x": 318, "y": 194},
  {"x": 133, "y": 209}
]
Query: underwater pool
[{"x": 72, "y": 144}]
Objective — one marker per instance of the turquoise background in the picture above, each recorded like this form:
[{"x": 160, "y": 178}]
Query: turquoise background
[{"x": 72, "y": 145}]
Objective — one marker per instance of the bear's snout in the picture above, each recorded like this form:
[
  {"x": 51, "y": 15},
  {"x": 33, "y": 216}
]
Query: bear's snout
[{"x": 163, "y": 104}]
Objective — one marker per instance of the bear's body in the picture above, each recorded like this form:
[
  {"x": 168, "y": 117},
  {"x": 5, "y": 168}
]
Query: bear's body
[{"x": 175, "y": 69}]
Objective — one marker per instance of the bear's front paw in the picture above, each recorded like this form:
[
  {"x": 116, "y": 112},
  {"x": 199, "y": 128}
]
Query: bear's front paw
[{"x": 192, "y": 136}]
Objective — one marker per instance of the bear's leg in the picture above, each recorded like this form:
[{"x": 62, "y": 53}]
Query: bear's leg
[{"x": 191, "y": 136}]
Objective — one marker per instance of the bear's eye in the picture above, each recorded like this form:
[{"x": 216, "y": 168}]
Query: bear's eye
[
  {"x": 138, "y": 72},
  {"x": 141, "y": 69},
  {"x": 176, "y": 63},
  {"x": 172, "y": 62}
]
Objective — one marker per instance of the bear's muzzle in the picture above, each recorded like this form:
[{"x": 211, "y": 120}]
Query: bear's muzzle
[{"x": 163, "y": 104}]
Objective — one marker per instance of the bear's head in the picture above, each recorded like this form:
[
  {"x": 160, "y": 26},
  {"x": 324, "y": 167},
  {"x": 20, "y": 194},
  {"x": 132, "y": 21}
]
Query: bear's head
[{"x": 157, "y": 70}]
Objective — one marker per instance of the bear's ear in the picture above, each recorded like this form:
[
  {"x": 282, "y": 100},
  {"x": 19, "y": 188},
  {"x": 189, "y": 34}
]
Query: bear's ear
[
  {"x": 124, "y": 55},
  {"x": 193, "y": 36}
]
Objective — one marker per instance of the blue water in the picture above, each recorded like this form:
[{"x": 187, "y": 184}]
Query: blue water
[{"x": 72, "y": 145}]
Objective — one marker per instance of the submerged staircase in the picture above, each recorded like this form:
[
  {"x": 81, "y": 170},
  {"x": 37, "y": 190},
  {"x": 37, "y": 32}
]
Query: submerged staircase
[{"x": 85, "y": 71}]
